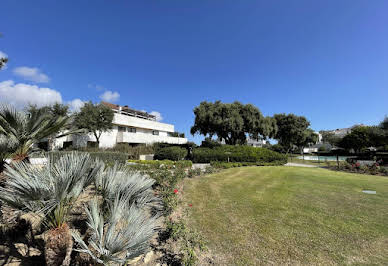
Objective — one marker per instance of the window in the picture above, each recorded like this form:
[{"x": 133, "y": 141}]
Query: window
[
  {"x": 122, "y": 129},
  {"x": 132, "y": 129},
  {"x": 155, "y": 132}
]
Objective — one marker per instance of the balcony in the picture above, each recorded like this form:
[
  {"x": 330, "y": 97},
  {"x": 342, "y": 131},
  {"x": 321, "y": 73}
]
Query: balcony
[{"x": 127, "y": 137}]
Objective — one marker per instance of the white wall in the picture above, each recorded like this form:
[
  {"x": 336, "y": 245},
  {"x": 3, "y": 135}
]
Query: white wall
[{"x": 125, "y": 120}]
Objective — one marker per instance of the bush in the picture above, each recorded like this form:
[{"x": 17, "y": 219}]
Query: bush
[
  {"x": 238, "y": 154},
  {"x": 169, "y": 163},
  {"x": 109, "y": 158},
  {"x": 226, "y": 165},
  {"x": 210, "y": 143},
  {"x": 170, "y": 153},
  {"x": 184, "y": 164}
]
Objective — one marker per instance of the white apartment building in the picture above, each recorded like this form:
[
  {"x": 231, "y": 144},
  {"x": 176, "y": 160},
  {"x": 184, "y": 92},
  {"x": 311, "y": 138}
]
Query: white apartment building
[{"x": 129, "y": 126}]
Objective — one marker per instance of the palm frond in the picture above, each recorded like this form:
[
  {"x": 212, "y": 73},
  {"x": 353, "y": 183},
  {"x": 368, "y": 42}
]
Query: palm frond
[{"x": 28, "y": 129}]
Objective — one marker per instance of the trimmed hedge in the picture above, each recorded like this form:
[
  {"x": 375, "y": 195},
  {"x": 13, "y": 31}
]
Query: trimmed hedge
[
  {"x": 226, "y": 165},
  {"x": 173, "y": 153},
  {"x": 238, "y": 154},
  {"x": 109, "y": 158},
  {"x": 178, "y": 164}
]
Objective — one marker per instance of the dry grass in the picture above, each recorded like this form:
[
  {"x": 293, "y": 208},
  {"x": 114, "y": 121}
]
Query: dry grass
[{"x": 291, "y": 215}]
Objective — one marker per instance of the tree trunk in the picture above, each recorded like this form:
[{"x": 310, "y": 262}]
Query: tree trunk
[{"x": 58, "y": 247}]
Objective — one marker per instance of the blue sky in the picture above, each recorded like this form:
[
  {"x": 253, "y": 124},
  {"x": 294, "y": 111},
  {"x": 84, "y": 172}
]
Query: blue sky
[{"x": 326, "y": 60}]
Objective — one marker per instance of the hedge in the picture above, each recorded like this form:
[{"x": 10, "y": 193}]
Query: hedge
[
  {"x": 226, "y": 165},
  {"x": 173, "y": 153},
  {"x": 109, "y": 158},
  {"x": 178, "y": 164},
  {"x": 238, "y": 154}
]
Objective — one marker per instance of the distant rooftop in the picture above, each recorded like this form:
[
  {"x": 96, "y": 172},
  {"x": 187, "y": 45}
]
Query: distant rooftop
[{"x": 125, "y": 110}]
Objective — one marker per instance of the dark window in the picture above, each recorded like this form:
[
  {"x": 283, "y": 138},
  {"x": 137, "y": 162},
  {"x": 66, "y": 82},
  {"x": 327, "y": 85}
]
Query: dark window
[
  {"x": 132, "y": 129},
  {"x": 92, "y": 144},
  {"x": 155, "y": 132},
  {"x": 67, "y": 144},
  {"x": 122, "y": 129}
]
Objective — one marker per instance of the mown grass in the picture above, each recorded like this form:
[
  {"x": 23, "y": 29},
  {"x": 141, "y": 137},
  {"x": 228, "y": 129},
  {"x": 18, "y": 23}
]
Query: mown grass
[{"x": 291, "y": 215}]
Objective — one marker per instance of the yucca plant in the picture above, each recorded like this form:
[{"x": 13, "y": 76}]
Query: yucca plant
[
  {"x": 50, "y": 192},
  {"x": 118, "y": 234},
  {"x": 27, "y": 129}
]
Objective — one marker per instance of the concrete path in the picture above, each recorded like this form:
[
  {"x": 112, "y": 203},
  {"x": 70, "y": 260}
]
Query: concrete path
[
  {"x": 300, "y": 164},
  {"x": 201, "y": 166}
]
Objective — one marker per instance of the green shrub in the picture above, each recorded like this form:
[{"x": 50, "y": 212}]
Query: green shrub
[
  {"x": 170, "y": 153},
  {"x": 226, "y": 165},
  {"x": 238, "y": 154},
  {"x": 184, "y": 164},
  {"x": 168, "y": 163},
  {"x": 109, "y": 158}
]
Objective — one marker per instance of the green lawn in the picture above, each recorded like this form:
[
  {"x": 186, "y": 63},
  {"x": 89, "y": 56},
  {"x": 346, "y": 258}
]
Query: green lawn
[{"x": 290, "y": 215}]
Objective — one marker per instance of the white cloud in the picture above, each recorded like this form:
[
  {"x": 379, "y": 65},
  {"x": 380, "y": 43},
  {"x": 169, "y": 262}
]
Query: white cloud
[
  {"x": 158, "y": 115},
  {"x": 75, "y": 105},
  {"x": 31, "y": 74},
  {"x": 20, "y": 94},
  {"x": 110, "y": 96}
]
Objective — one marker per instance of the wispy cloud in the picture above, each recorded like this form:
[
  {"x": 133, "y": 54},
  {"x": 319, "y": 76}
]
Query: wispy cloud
[
  {"x": 75, "y": 105},
  {"x": 158, "y": 115},
  {"x": 31, "y": 74},
  {"x": 96, "y": 86},
  {"x": 110, "y": 96}
]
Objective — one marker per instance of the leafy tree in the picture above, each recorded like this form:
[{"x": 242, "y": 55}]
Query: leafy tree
[
  {"x": 330, "y": 138},
  {"x": 94, "y": 118},
  {"x": 210, "y": 143},
  {"x": 377, "y": 136},
  {"x": 384, "y": 124},
  {"x": 291, "y": 130},
  {"x": 26, "y": 129},
  {"x": 3, "y": 61},
  {"x": 55, "y": 110},
  {"x": 231, "y": 122},
  {"x": 357, "y": 139}
]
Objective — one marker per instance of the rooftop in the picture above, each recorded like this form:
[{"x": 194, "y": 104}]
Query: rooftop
[{"x": 125, "y": 110}]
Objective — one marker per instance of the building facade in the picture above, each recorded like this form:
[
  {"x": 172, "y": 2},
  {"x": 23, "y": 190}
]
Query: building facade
[{"x": 131, "y": 127}]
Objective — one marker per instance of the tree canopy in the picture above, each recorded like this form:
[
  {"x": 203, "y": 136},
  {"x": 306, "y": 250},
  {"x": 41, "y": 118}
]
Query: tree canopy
[
  {"x": 292, "y": 130},
  {"x": 96, "y": 118},
  {"x": 232, "y": 122}
]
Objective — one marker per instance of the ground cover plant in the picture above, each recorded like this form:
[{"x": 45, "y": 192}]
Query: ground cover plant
[{"x": 290, "y": 215}]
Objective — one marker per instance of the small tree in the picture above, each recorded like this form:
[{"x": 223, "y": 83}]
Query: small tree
[
  {"x": 94, "y": 118},
  {"x": 291, "y": 130}
]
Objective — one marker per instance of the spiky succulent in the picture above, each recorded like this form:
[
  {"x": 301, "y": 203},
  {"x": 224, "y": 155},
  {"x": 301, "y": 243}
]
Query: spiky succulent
[
  {"x": 123, "y": 235},
  {"x": 128, "y": 185},
  {"x": 49, "y": 191}
]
